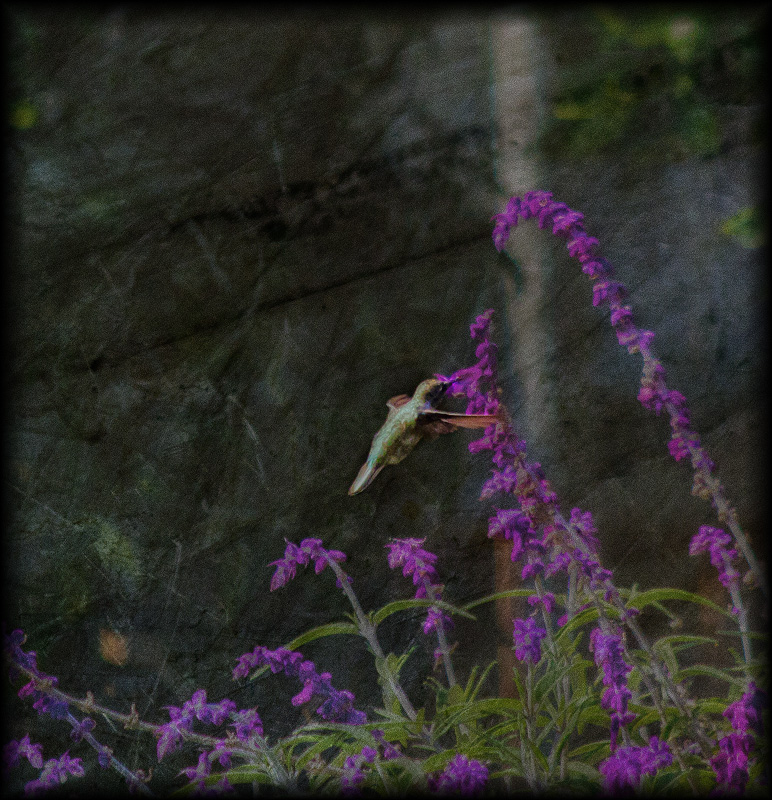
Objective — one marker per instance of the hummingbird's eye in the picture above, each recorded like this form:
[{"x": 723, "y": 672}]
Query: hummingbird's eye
[{"x": 437, "y": 392}]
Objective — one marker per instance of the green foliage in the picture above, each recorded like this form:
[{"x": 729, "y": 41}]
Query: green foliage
[
  {"x": 645, "y": 74},
  {"x": 552, "y": 734},
  {"x": 746, "y": 227}
]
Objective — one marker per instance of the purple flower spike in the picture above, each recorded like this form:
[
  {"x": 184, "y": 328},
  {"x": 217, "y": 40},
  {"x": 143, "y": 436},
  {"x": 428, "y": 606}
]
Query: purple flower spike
[
  {"x": 716, "y": 542},
  {"x": 301, "y": 555},
  {"x": 55, "y": 772},
  {"x": 415, "y": 561},
  {"x": 527, "y": 636},
  {"x": 568, "y": 224},
  {"x": 14, "y": 751},
  {"x": 462, "y": 775},
  {"x": 338, "y": 706},
  {"x": 624, "y": 769},
  {"x": 609, "y": 655},
  {"x": 732, "y": 762}
]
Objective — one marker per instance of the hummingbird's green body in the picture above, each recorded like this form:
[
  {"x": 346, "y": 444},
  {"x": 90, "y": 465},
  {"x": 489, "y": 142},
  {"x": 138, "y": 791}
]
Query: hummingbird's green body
[{"x": 410, "y": 419}]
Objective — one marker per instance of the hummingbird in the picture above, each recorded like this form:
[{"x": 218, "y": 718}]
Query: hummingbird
[{"x": 409, "y": 420}]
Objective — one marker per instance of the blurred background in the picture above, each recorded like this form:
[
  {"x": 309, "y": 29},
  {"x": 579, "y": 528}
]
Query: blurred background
[{"x": 233, "y": 236}]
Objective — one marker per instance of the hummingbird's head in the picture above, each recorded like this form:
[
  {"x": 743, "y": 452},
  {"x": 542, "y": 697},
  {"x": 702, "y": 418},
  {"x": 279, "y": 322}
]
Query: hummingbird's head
[{"x": 433, "y": 390}]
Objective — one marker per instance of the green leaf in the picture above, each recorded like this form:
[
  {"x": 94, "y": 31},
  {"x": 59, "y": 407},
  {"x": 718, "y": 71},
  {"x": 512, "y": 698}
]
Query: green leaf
[
  {"x": 498, "y": 596},
  {"x": 704, "y": 670},
  {"x": 247, "y": 773},
  {"x": 330, "y": 629},
  {"x": 506, "y": 706},
  {"x": 455, "y": 695},
  {"x": 593, "y": 752},
  {"x": 746, "y": 226},
  {"x": 652, "y": 596},
  {"x": 582, "y": 618},
  {"x": 583, "y": 769},
  {"x": 711, "y": 705},
  {"x": 682, "y": 641},
  {"x": 472, "y": 689},
  {"x": 404, "y": 605}
]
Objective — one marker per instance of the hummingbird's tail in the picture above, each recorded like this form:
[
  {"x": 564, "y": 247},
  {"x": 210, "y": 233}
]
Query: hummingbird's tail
[{"x": 365, "y": 477}]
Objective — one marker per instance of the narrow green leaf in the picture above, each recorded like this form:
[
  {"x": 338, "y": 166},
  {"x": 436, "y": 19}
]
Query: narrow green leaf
[
  {"x": 498, "y": 596},
  {"x": 651, "y": 596},
  {"x": 331, "y": 629},
  {"x": 472, "y": 691},
  {"x": 709, "y": 672},
  {"x": 405, "y": 605}
]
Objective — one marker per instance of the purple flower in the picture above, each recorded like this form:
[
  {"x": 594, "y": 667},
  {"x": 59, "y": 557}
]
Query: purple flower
[
  {"x": 247, "y": 725},
  {"x": 732, "y": 762},
  {"x": 104, "y": 756},
  {"x": 717, "y": 542},
  {"x": 389, "y": 751},
  {"x": 415, "y": 561},
  {"x": 609, "y": 656},
  {"x": 469, "y": 381},
  {"x": 80, "y": 729},
  {"x": 585, "y": 527},
  {"x": 581, "y": 246},
  {"x": 338, "y": 706},
  {"x": 462, "y": 775},
  {"x": 744, "y": 714},
  {"x": 197, "y": 775},
  {"x": 55, "y": 772},
  {"x": 532, "y": 569},
  {"x": 294, "y": 555},
  {"x": 512, "y": 525},
  {"x": 527, "y": 636},
  {"x": 14, "y": 750},
  {"x": 436, "y": 619},
  {"x": 222, "y": 753},
  {"x": 624, "y": 769},
  {"x": 353, "y": 770},
  {"x": 170, "y": 736},
  {"x": 547, "y": 600},
  {"x": 214, "y": 713},
  {"x": 568, "y": 224}
]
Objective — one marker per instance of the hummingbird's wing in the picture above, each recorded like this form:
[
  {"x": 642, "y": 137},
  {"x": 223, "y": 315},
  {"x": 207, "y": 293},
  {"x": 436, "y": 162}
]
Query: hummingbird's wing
[{"x": 398, "y": 400}]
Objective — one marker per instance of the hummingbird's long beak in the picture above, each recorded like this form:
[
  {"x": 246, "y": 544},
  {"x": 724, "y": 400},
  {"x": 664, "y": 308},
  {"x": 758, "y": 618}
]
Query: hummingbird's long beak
[{"x": 365, "y": 477}]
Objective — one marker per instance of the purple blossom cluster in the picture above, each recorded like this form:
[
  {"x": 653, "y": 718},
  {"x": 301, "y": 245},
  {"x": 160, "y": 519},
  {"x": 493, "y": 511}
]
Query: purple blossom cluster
[
  {"x": 560, "y": 543},
  {"x": 301, "y": 555},
  {"x": 356, "y": 767},
  {"x": 462, "y": 775},
  {"x": 37, "y": 687},
  {"x": 15, "y": 750},
  {"x": 354, "y": 772},
  {"x": 609, "y": 656},
  {"x": 717, "y": 543},
  {"x": 527, "y": 636},
  {"x": 197, "y": 775},
  {"x": 732, "y": 761},
  {"x": 513, "y": 474},
  {"x": 55, "y": 772},
  {"x": 654, "y": 394},
  {"x": 623, "y": 770},
  {"x": 337, "y": 706},
  {"x": 171, "y": 734},
  {"x": 419, "y": 563}
]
